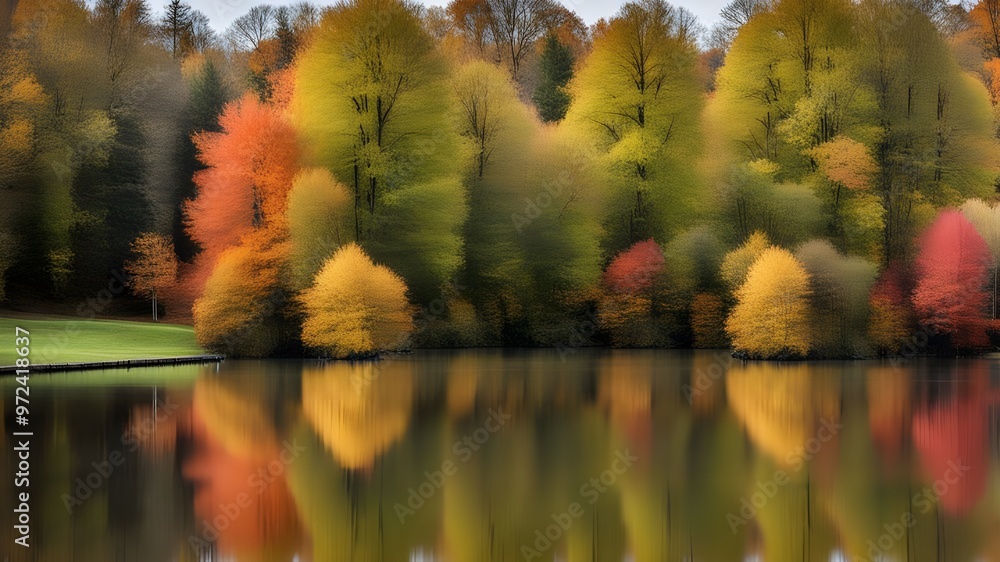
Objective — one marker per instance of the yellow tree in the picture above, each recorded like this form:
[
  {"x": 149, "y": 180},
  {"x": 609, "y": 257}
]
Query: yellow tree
[
  {"x": 154, "y": 269},
  {"x": 736, "y": 265},
  {"x": 771, "y": 318},
  {"x": 356, "y": 308}
]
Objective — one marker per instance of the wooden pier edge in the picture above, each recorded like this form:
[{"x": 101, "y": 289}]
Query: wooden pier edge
[{"x": 121, "y": 364}]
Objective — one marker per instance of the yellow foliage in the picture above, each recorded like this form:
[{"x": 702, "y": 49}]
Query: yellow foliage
[
  {"x": 236, "y": 312},
  {"x": 318, "y": 208},
  {"x": 889, "y": 325},
  {"x": 359, "y": 410},
  {"x": 356, "y": 307},
  {"x": 771, "y": 318},
  {"x": 846, "y": 161},
  {"x": 737, "y": 263}
]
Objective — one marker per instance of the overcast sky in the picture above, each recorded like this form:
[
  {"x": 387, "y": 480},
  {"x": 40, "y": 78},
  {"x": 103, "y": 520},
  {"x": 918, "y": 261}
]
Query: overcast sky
[{"x": 223, "y": 12}]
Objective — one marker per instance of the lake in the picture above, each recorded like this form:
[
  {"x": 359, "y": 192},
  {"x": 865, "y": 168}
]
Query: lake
[{"x": 584, "y": 455}]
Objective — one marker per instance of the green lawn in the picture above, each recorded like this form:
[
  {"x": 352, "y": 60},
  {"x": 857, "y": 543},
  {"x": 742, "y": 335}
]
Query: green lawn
[{"x": 68, "y": 340}]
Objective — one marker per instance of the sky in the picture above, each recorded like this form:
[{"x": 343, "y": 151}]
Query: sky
[{"x": 223, "y": 12}]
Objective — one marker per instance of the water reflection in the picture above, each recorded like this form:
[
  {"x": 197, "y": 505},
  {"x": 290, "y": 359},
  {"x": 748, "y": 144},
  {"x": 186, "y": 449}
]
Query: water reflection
[{"x": 503, "y": 456}]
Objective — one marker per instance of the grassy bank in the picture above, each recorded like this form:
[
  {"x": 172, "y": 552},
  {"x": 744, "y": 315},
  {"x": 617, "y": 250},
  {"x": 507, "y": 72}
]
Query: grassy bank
[{"x": 57, "y": 339}]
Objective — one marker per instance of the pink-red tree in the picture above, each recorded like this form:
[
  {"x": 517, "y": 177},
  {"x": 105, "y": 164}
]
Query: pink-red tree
[
  {"x": 636, "y": 269},
  {"x": 952, "y": 275}
]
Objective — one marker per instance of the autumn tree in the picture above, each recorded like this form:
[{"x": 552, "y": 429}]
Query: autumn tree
[
  {"x": 771, "y": 317},
  {"x": 240, "y": 311},
  {"x": 471, "y": 18},
  {"x": 125, "y": 27},
  {"x": 356, "y": 308},
  {"x": 250, "y": 165},
  {"x": 627, "y": 308},
  {"x": 516, "y": 25},
  {"x": 531, "y": 237},
  {"x": 371, "y": 102},
  {"x": 154, "y": 269},
  {"x": 638, "y": 97},
  {"x": 892, "y": 317},
  {"x": 737, "y": 263},
  {"x": 318, "y": 221},
  {"x": 550, "y": 96},
  {"x": 952, "y": 270}
]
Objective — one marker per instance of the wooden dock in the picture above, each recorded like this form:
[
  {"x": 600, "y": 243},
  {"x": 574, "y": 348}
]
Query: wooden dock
[{"x": 122, "y": 364}]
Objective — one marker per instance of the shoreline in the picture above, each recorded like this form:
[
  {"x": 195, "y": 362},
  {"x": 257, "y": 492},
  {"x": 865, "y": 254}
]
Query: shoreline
[{"x": 11, "y": 370}]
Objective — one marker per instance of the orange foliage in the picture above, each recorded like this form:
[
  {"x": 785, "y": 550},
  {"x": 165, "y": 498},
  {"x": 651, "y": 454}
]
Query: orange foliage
[
  {"x": 251, "y": 165},
  {"x": 708, "y": 322},
  {"x": 846, "y": 162},
  {"x": 154, "y": 270}
]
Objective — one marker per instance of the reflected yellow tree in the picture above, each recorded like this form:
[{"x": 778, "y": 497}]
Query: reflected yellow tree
[{"x": 359, "y": 410}]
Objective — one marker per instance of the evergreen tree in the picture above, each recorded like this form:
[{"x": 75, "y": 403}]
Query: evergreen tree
[
  {"x": 556, "y": 70},
  {"x": 207, "y": 98}
]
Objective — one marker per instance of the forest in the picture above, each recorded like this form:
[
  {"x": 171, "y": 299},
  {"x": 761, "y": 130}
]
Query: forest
[{"x": 804, "y": 179}]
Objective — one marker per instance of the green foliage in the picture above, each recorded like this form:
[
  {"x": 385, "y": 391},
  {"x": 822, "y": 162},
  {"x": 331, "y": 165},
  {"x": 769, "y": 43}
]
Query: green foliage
[
  {"x": 839, "y": 293},
  {"x": 318, "y": 213},
  {"x": 751, "y": 201},
  {"x": 356, "y": 308},
  {"x": 371, "y": 105},
  {"x": 556, "y": 68},
  {"x": 637, "y": 97}
]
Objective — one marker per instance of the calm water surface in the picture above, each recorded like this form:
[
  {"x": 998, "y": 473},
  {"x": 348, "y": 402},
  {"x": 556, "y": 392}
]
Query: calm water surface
[{"x": 514, "y": 456}]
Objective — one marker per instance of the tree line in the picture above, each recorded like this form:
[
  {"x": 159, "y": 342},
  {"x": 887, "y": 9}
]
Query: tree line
[{"x": 377, "y": 174}]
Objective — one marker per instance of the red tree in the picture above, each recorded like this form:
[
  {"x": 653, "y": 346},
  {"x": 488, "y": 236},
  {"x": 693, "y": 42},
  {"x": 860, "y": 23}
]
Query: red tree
[
  {"x": 952, "y": 274},
  {"x": 635, "y": 270}
]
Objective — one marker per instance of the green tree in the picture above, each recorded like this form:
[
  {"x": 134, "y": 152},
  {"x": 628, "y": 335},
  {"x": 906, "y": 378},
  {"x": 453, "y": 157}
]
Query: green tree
[
  {"x": 839, "y": 289},
  {"x": 638, "y": 97},
  {"x": 371, "y": 104},
  {"x": 551, "y": 96},
  {"x": 318, "y": 209}
]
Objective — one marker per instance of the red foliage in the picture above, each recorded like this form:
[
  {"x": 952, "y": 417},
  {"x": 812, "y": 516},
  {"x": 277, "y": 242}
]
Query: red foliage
[
  {"x": 952, "y": 272},
  {"x": 952, "y": 439},
  {"x": 635, "y": 270},
  {"x": 894, "y": 286}
]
